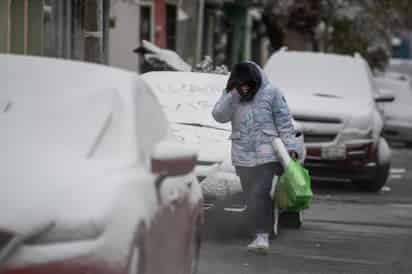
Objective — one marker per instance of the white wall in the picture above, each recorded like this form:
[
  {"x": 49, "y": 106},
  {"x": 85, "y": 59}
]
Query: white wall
[{"x": 125, "y": 36}]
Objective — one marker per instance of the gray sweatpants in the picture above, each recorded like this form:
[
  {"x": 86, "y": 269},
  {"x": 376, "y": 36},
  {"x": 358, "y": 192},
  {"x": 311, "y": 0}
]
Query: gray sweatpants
[{"x": 256, "y": 184}]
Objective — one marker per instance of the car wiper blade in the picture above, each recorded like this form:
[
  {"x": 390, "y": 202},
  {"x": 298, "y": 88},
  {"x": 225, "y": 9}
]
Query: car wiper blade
[
  {"x": 5, "y": 106},
  {"x": 201, "y": 125},
  {"x": 327, "y": 95},
  {"x": 18, "y": 240}
]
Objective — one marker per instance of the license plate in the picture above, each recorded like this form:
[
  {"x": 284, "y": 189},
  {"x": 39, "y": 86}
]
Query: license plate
[{"x": 334, "y": 153}]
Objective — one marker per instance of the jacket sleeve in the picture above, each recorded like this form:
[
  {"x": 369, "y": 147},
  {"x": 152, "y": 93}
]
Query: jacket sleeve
[
  {"x": 225, "y": 106},
  {"x": 283, "y": 122}
]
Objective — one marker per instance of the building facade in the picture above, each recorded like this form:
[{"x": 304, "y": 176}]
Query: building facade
[
  {"x": 107, "y": 31},
  {"x": 74, "y": 29}
]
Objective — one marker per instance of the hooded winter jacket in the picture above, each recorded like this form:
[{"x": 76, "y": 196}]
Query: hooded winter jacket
[{"x": 255, "y": 122}]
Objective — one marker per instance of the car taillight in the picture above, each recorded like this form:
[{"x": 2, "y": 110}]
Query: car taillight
[
  {"x": 314, "y": 152},
  {"x": 173, "y": 166},
  {"x": 372, "y": 156}
]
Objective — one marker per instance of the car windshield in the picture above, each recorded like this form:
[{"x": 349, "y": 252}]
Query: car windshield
[
  {"x": 188, "y": 97},
  {"x": 319, "y": 75},
  {"x": 78, "y": 124}
]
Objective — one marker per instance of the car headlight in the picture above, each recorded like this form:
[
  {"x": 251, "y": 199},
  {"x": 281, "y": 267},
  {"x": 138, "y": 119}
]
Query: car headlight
[{"x": 355, "y": 134}]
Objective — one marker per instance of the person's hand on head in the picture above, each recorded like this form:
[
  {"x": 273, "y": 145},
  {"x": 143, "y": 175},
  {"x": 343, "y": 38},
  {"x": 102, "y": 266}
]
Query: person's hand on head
[
  {"x": 243, "y": 89},
  {"x": 231, "y": 85}
]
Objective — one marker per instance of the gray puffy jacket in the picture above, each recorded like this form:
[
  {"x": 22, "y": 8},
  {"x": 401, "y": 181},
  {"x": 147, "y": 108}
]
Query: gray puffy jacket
[{"x": 256, "y": 123}]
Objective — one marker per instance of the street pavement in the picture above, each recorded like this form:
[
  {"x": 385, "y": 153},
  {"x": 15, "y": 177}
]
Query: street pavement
[{"x": 345, "y": 231}]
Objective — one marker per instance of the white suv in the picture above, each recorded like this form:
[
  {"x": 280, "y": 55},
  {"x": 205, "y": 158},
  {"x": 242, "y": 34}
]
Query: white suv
[{"x": 334, "y": 98}]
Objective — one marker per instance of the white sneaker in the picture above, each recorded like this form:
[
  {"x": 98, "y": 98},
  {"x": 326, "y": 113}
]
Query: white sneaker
[{"x": 260, "y": 244}]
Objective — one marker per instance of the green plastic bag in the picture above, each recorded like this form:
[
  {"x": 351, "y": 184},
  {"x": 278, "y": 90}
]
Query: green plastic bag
[{"x": 293, "y": 192}]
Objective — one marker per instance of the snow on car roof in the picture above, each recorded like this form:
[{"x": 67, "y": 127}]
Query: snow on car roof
[
  {"x": 318, "y": 73},
  {"x": 188, "y": 96}
]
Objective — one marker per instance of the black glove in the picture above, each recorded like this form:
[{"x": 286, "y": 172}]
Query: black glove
[
  {"x": 231, "y": 84},
  {"x": 294, "y": 155}
]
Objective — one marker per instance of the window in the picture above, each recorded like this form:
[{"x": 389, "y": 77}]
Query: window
[
  {"x": 146, "y": 23},
  {"x": 171, "y": 15}
]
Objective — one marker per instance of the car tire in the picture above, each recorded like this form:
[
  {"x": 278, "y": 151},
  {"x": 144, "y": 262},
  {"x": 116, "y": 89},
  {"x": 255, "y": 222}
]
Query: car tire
[
  {"x": 378, "y": 182},
  {"x": 291, "y": 219},
  {"x": 382, "y": 170}
]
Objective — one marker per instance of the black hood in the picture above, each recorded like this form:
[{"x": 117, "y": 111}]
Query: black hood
[{"x": 245, "y": 73}]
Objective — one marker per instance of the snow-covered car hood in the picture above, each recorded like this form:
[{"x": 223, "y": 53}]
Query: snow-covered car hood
[
  {"x": 213, "y": 145},
  {"x": 188, "y": 97},
  {"x": 323, "y": 106},
  {"x": 55, "y": 185},
  {"x": 329, "y": 114}
]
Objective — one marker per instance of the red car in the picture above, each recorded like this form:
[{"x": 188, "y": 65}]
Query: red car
[{"x": 90, "y": 181}]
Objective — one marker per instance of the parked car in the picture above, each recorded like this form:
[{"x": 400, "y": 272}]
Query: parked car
[
  {"x": 397, "y": 115},
  {"x": 90, "y": 181},
  {"x": 188, "y": 99},
  {"x": 332, "y": 96},
  {"x": 158, "y": 59}
]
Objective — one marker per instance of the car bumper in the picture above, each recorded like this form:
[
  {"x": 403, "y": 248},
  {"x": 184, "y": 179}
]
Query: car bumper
[
  {"x": 326, "y": 170},
  {"x": 360, "y": 163},
  {"x": 64, "y": 258},
  {"x": 398, "y": 131}
]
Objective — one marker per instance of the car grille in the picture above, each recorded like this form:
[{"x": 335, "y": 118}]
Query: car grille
[{"x": 318, "y": 138}]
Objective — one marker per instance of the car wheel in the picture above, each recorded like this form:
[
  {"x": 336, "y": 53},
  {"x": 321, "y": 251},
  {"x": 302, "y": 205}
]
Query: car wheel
[
  {"x": 382, "y": 170},
  {"x": 291, "y": 219},
  {"x": 375, "y": 184}
]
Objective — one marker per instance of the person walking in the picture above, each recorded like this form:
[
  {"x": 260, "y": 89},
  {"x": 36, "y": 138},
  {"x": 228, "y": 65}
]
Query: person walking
[{"x": 258, "y": 113}]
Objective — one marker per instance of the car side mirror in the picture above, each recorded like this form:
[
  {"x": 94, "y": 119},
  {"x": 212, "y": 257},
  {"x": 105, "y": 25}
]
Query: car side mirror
[
  {"x": 384, "y": 98},
  {"x": 173, "y": 159},
  {"x": 383, "y": 95}
]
